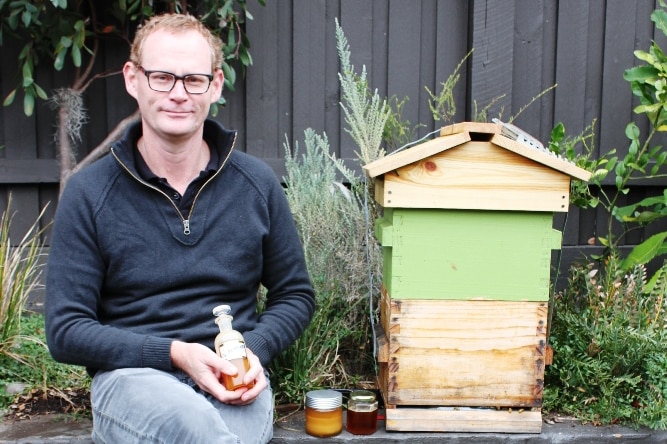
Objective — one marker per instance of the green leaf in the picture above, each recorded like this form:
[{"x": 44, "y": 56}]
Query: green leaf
[
  {"x": 27, "y": 70},
  {"x": 59, "y": 62},
  {"x": 76, "y": 56},
  {"x": 65, "y": 41},
  {"x": 245, "y": 58},
  {"x": 40, "y": 92},
  {"x": 643, "y": 217},
  {"x": 558, "y": 133},
  {"x": 28, "y": 103},
  {"x": 230, "y": 75},
  {"x": 659, "y": 17},
  {"x": 231, "y": 38},
  {"x": 640, "y": 74},
  {"x": 611, "y": 165},
  {"x": 599, "y": 175},
  {"x": 14, "y": 20},
  {"x": 649, "y": 108},
  {"x": 632, "y": 131},
  {"x": 650, "y": 285},
  {"x": 134, "y": 7},
  {"x": 10, "y": 98},
  {"x": 644, "y": 252},
  {"x": 26, "y": 18}
]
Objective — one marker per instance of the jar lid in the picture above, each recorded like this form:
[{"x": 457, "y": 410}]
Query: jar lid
[
  {"x": 324, "y": 399},
  {"x": 363, "y": 396}
]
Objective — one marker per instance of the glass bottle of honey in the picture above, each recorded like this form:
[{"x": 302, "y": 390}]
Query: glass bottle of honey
[{"x": 229, "y": 344}]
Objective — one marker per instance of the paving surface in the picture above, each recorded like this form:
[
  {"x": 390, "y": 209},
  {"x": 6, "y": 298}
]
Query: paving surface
[{"x": 61, "y": 429}]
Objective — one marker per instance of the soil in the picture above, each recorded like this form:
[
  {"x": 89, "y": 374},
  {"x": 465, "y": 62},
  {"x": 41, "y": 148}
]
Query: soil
[{"x": 37, "y": 402}]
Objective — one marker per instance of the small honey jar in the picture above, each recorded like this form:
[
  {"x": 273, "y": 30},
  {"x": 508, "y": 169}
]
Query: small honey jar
[
  {"x": 324, "y": 413},
  {"x": 362, "y": 413}
]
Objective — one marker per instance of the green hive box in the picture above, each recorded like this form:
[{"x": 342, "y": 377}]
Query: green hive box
[{"x": 466, "y": 254}]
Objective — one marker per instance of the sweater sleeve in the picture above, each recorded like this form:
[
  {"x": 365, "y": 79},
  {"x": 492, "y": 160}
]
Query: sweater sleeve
[{"x": 74, "y": 281}]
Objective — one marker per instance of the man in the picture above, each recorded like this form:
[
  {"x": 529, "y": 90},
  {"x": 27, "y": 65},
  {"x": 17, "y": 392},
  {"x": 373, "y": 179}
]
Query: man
[{"x": 149, "y": 239}]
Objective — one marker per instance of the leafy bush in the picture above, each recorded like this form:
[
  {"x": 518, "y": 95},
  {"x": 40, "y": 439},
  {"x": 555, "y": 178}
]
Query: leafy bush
[
  {"x": 609, "y": 326},
  {"x": 610, "y": 364}
]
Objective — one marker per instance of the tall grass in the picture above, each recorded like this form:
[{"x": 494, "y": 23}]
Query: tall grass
[{"x": 20, "y": 269}]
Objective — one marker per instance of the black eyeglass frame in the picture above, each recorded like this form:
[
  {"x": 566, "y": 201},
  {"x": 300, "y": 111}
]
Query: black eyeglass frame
[{"x": 148, "y": 73}]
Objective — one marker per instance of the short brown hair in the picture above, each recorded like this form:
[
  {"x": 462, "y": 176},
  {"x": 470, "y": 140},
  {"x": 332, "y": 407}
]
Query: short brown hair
[{"x": 175, "y": 23}]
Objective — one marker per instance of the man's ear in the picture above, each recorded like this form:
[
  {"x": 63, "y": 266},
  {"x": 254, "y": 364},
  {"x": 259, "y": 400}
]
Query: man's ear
[
  {"x": 217, "y": 84},
  {"x": 130, "y": 75}
]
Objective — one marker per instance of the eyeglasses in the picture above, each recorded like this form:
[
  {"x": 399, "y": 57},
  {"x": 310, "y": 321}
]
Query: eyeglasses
[{"x": 164, "y": 81}]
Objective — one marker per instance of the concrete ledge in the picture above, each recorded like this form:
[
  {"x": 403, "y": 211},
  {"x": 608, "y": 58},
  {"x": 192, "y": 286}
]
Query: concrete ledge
[
  {"x": 62, "y": 429},
  {"x": 568, "y": 431}
]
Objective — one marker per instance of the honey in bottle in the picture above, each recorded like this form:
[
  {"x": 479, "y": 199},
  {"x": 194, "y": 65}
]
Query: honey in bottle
[{"x": 229, "y": 345}]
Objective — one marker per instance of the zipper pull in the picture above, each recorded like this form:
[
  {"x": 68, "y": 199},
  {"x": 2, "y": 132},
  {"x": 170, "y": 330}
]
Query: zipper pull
[{"x": 186, "y": 226}]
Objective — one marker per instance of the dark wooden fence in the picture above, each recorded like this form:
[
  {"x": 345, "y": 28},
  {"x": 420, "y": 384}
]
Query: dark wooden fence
[{"x": 520, "y": 49}]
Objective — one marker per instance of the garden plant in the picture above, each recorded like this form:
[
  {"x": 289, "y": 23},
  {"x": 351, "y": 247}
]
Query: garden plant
[{"x": 610, "y": 322}]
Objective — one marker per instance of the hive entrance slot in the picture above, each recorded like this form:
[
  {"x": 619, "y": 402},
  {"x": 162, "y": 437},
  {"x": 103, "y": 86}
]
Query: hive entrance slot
[{"x": 480, "y": 137}]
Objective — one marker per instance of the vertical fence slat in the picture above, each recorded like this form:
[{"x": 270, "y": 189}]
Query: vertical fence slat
[
  {"x": 452, "y": 26},
  {"x": 492, "y": 59},
  {"x": 308, "y": 67}
]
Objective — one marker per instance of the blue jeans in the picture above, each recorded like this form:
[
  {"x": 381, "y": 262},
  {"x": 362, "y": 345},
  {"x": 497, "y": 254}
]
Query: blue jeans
[{"x": 144, "y": 405}]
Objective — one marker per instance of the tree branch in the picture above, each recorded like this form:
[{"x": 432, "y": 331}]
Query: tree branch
[{"x": 103, "y": 148}]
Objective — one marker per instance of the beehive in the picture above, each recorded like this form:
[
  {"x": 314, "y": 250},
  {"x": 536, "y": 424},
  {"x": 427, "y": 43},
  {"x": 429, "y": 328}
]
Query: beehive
[{"x": 467, "y": 237}]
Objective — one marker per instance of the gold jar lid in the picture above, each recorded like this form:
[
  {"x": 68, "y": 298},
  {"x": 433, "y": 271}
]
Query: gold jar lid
[{"x": 362, "y": 396}]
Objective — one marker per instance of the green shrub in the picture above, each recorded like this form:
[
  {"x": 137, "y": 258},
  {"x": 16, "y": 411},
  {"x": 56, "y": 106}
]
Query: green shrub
[{"x": 610, "y": 362}]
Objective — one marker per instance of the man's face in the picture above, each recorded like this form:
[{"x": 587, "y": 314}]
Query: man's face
[{"x": 176, "y": 114}]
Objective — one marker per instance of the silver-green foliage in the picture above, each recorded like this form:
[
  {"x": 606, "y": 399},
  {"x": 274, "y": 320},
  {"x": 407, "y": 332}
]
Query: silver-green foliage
[
  {"x": 365, "y": 116},
  {"x": 334, "y": 349}
]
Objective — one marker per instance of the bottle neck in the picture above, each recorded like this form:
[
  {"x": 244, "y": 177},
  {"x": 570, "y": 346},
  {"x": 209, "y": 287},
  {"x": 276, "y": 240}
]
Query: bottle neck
[{"x": 224, "y": 323}]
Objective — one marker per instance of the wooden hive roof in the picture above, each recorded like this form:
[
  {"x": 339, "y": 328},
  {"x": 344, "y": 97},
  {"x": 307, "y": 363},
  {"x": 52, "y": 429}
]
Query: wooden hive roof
[{"x": 474, "y": 166}]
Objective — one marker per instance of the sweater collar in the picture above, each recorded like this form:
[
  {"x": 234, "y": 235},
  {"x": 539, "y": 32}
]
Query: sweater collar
[{"x": 216, "y": 136}]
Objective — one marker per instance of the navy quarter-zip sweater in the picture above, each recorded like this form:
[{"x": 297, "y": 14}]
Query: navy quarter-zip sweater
[{"x": 127, "y": 274}]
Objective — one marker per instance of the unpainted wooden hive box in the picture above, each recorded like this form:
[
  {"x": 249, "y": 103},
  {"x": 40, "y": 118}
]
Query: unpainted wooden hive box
[{"x": 467, "y": 237}]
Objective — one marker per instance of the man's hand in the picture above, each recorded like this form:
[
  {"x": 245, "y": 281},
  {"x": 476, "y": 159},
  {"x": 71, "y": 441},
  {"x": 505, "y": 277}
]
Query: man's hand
[{"x": 206, "y": 368}]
